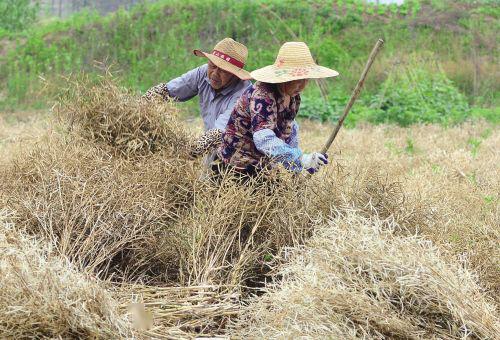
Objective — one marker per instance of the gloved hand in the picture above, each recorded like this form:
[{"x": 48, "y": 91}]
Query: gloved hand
[
  {"x": 312, "y": 161},
  {"x": 158, "y": 91},
  {"x": 210, "y": 140}
]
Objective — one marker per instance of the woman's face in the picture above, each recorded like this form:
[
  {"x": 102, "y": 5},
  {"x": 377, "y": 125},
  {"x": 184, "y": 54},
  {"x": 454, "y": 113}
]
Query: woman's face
[{"x": 294, "y": 87}]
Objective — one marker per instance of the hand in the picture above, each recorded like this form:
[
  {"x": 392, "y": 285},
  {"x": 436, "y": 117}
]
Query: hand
[
  {"x": 313, "y": 161},
  {"x": 210, "y": 140},
  {"x": 158, "y": 91}
]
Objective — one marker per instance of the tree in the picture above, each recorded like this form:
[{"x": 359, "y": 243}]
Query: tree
[{"x": 16, "y": 15}]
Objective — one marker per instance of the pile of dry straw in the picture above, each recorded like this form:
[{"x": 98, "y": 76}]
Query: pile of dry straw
[{"x": 113, "y": 231}]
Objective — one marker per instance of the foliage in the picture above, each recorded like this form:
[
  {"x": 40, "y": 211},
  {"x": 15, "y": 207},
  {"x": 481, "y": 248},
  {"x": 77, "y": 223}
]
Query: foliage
[
  {"x": 320, "y": 109},
  {"x": 152, "y": 43},
  {"x": 16, "y": 15},
  {"x": 414, "y": 94}
]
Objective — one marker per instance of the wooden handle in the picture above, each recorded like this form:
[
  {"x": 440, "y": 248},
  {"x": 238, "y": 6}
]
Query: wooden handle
[{"x": 354, "y": 95}]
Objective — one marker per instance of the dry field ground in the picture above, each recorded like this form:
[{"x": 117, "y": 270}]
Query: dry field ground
[{"x": 398, "y": 237}]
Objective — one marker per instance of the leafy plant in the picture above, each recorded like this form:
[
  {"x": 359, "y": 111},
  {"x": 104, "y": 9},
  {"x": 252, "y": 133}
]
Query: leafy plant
[
  {"x": 488, "y": 199},
  {"x": 436, "y": 169},
  {"x": 474, "y": 144},
  {"x": 16, "y": 15},
  {"x": 417, "y": 92},
  {"x": 410, "y": 146},
  {"x": 317, "y": 108}
]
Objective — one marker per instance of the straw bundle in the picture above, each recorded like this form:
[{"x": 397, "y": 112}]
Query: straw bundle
[
  {"x": 356, "y": 278},
  {"x": 104, "y": 213},
  {"x": 178, "y": 312},
  {"x": 232, "y": 229},
  {"x": 113, "y": 116},
  {"x": 447, "y": 186},
  {"x": 43, "y": 295}
]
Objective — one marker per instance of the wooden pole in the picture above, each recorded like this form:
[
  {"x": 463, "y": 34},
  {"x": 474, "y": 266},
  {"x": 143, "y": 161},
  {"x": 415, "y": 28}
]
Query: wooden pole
[{"x": 354, "y": 95}]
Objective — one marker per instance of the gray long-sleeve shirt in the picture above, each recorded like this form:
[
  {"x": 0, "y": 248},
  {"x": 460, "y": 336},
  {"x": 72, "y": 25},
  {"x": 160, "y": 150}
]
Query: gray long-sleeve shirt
[{"x": 215, "y": 107}]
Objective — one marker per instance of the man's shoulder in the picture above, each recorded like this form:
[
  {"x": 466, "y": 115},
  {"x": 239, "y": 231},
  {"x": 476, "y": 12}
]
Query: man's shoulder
[{"x": 193, "y": 76}]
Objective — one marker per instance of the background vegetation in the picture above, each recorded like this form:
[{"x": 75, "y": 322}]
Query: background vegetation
[{"x": 439, "y": 63}]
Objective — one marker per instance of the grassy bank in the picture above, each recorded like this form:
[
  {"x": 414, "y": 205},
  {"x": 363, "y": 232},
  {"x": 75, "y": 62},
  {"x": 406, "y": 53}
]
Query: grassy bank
[{"x": 448, "y": 46}]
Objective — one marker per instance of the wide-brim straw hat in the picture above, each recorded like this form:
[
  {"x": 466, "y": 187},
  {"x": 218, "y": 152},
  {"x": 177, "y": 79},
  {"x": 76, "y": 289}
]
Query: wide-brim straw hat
[
  {"x": 294, "y": 62},
  {"x": 230, "y": 56}
]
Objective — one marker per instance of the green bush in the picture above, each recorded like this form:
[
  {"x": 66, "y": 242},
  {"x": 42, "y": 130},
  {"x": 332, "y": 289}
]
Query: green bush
[
  {"x": 316, "y": 108},
  {"x": 413, "y": 93},
  {"x": 313, "y": 106}
]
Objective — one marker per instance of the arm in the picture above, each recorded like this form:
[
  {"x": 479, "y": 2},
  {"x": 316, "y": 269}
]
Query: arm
[
  {"x": 158, "y": 91},
  {"x": 181, "y": 88},
  {"x": 266, "y": 142},
  {"x": 263, "y": 112},
  {"x": 289, "y": 154},
  {"x": 294, "y": 136}
]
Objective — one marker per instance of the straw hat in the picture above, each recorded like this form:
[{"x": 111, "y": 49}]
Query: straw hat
[
  {"x": 294, "y": 61},
  {"x": 229, "y": 55}
]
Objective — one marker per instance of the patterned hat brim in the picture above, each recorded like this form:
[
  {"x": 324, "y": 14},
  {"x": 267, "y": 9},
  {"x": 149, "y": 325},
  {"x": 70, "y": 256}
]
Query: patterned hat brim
[
  {"x": 238, "y": 72},
  {"x": 273, "y": 74}
]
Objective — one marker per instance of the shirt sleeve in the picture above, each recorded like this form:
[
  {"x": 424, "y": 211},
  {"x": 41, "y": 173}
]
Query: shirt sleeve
[
  {"x": 185, "y": 87},
  {"x": 294, "y": 135},
  {"x": 265, "y": 141},
  {"x": 263, "y": 115}
]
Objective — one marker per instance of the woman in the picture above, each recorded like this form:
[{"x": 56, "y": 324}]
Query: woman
[{"x": 262, "y": 130}]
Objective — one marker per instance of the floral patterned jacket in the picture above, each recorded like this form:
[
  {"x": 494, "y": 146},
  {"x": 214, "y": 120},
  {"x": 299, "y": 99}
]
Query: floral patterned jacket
[{"x": 262, "y": 130}]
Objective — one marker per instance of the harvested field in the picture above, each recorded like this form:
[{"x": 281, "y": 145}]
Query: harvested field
[{"x": 404, "y": 223}]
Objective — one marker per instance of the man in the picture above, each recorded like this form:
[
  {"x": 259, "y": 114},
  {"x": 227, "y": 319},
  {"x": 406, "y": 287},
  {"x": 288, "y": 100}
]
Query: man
[{"x": 218, "y": 84}]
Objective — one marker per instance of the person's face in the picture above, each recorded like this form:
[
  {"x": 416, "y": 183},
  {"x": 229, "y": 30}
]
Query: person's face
[
  {"x": 294, "y": 87},
  {"x": 218, "y": 77}
]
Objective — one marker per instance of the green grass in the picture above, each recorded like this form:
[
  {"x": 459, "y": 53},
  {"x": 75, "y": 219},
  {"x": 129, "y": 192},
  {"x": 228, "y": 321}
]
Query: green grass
[
  {"x": 153, "y": 43},
  {"x": 474, "y": 144}
]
